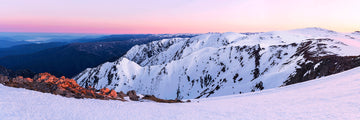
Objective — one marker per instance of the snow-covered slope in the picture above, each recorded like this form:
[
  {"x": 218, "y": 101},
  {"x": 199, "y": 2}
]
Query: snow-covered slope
[
  {"x": 217, "y": 64},
  {"x": 332, "y": 97}
]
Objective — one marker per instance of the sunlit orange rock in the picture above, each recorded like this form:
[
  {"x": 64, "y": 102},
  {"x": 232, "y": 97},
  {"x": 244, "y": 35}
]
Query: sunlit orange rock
[
  {"x": 45, "y": 82},
  {"x": 104, "y": 91},
  {"x": 113, "y": 94},
  {"x": 29, "y": 80}
]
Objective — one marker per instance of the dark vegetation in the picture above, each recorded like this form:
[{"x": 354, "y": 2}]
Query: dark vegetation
[{"x": 12, "y": 74}]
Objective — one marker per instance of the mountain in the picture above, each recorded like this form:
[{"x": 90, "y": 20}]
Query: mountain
[
  {"x": 333, "y": 97},
  {"x": 70, "y": 59},
  {"x": 142, "y": 37},
  {"x": 26, "y": 38},
  {"x": 8, "y": 42},
  {"x": 217, "y": 64},
  {"x": 29, "y": 48}
]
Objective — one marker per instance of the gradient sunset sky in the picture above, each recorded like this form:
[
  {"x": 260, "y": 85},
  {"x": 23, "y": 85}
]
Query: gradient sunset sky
[{"x": 176, "y": 16}]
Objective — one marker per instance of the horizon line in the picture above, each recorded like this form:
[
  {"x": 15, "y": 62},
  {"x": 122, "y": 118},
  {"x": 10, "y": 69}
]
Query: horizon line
[{"x": 99, "y": 33}]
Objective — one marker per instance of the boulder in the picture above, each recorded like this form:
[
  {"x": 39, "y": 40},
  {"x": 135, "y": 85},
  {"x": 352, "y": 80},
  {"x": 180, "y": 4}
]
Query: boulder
[
  {"x": 132, "y": 95},
  {"x": 121, "y": 94}
]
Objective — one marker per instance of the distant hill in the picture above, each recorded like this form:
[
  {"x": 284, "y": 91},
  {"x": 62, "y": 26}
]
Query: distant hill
[
  {"x": 10, "y": 39},
  {"x": 7, "y": 42},
  {"x": 28, "y": 48}
]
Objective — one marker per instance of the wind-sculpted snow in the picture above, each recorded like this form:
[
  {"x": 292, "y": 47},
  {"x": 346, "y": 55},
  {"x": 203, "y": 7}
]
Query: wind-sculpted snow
[{"x": 216, "y": 64}]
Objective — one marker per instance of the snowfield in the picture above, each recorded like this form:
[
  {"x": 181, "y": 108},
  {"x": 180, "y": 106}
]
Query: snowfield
[{"x": 332, "y": 97}]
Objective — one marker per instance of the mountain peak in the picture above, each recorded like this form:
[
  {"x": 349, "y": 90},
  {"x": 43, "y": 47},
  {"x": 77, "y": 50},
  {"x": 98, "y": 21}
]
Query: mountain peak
[{"x": 314, "y": 29}]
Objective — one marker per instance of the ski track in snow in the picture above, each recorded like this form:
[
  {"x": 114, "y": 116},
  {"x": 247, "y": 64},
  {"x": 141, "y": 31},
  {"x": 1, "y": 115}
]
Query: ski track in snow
[{"x": 332, "y": 97}]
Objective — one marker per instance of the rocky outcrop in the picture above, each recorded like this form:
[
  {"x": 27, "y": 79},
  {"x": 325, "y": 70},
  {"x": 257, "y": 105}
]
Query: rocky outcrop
[
  {"x": 47, "y": 83},
  {"x": 153, "y": 98},
  {"x": 316, "y": 65}
]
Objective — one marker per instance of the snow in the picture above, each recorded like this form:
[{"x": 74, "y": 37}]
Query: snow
[
  {"x": 332, "y": 97},
  {"x": 165, "y": 67}
]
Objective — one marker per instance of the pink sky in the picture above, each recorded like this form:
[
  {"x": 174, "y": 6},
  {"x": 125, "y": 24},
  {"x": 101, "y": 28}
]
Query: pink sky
[{"x": 176, "y": 16}]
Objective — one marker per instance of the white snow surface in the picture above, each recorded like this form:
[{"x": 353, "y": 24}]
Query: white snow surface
[{"x": 332, "y": 97}]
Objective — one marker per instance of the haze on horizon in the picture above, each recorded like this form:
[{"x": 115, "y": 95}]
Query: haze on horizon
[{"x": 176, "y": 16}]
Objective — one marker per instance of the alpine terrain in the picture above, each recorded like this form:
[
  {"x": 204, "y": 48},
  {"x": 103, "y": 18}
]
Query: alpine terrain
[
  {"x": 217, "y": 64},
  {"x": 333, "y": 97}
]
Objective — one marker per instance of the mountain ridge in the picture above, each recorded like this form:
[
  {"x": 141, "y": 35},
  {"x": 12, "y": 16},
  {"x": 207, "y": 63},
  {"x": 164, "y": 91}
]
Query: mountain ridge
[{"x": 217, "y": 64}]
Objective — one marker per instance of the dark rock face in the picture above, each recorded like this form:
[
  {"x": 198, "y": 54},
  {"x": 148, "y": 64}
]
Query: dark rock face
[
  {"x": 325, "y": 66},
  {"x": 316, "y": 66}
]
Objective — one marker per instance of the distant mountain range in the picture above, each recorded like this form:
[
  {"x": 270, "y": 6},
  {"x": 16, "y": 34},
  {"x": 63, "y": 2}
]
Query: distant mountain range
[
  {"x": 9, "y": 39},
  {"x": 28, "y": 48},
  {"x": 6, "y": 42},
  {"x": 69, "y": 59}
]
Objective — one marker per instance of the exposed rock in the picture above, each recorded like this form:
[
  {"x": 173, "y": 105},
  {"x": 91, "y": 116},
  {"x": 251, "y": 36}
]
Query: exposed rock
[
  {"x": 113, "y": 94},
  {"x": 45, "y": 82},
  {"x": 104, "y": 91},
  {"x": 153, "y": 98},
  {"x": 316, "y": 66},
  {"x": 132, "y": 95},
  {"x": 121, "y": 94},
  {"x": 3, "y": 79}
]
